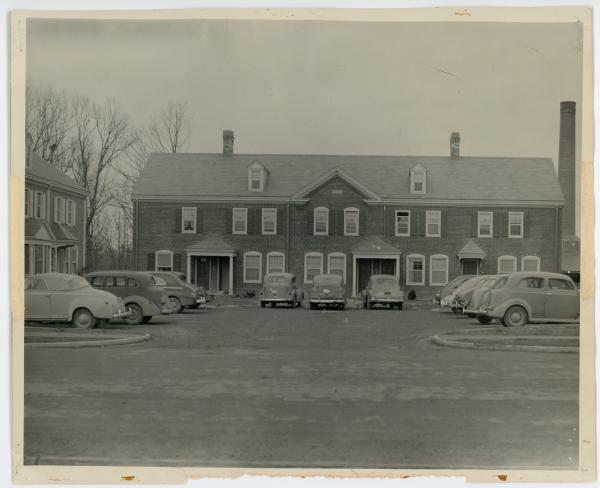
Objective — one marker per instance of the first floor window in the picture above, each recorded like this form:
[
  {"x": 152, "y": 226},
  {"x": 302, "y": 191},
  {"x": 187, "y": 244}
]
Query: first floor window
[
  {"x": 269, "y": 221},
  {"x": 351, "y": 221},
  {"x": 240, "y": 221},
  {"x": 438, "y": 269},
  {"x": 402, "y": 223},
  {"x": 337, "y": 264},
  {"x": 484, "y": 224},
  {"x": 530, "y": 263},
  {"x": 275, "y": 262},
  {"x": 39, "y": 259},
  {"x": 188, "y": 220},
  {"x": 415, "y": 269},
  {"x": 515, "y": 224},
  {"x": 164, "y": 261},
  {"x": 433, "y": 223},
  {"x": 507, "y": 264},
  {"x": 313, "y": 265},
  {"x": 252, "y": 267},
  {"x": 321, "y": 221}
]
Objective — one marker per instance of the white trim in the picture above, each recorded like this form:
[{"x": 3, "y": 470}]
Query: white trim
[
  {"x": 479, "y": 216},
  {"x": 431, "y": 258},
  {"x": 331, "y": 174},
  {"x": 530, "y": 258},
  {"x": 273, "y": 210},
  {"x": 306, "y": 256},
  {"x": 347, "y": 211},
  {"x": 164, "y": 252},
  {"x": 418, "y": 169},
  {"x": 51, "y": 183},
  {"x": 507, "y": 257},
  {"x": 194, "y": 220},
  {"x": 27, "y": 202},
  {"x": 431, "y": 213},
  {"x": 408, "y": 260},
  {"x": 253, "y": 167},
  {"x": 337, "y": 255},
  {"x": 396, "y": 233},
  {"x": 326, "y": 211},
  {"x": 253, "y": 254},
  {"x": 522, "y": 227},
  {"x": 275, "y": 254},
  {"x": 243, "y": 211}
]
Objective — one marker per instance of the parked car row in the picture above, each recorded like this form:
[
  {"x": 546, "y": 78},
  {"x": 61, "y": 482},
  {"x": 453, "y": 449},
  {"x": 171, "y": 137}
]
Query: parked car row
[
  {"x": 133, "y": 296},
  {"x": 514, "y": 299}
]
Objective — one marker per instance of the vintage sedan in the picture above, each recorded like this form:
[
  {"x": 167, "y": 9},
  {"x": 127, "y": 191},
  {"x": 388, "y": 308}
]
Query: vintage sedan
[
  {"x": 450, "y": 287},
  {"x": 280, "y": 288},
  {"x": 58, "y": 297},
  {"x": 383, "y": 290},
  {"x": 471, "y": 309},
  {"x": 532, "y": 297},
  {"x": 327, "y": 290},
  {"x": 456, "y": 300},
  {"x": 141, "y": 292},
  {"x": 180, "y": 293}
]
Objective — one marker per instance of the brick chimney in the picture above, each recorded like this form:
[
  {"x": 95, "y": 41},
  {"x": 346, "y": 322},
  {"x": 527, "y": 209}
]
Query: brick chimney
[
  {"x": 455, "y": 145},
  {"x": 227, "y": 142},
  {"x": 566, "y": 165}
]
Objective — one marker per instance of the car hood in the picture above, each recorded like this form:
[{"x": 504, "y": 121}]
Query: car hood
[{"x": 97, "y": 293}]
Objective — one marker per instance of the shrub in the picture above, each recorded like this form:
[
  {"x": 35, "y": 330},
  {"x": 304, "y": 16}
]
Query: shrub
[
  {"x": 412, "y": 294},
  {"x": 250, "y": 294}
]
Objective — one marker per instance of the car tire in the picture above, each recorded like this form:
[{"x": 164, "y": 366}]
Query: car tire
[
  {"x": 136, "y": 316},
  {"x": 178, "y": 305},
  {"x": 313, "y": 306},
  {"x": 484, "y": 319},
  {"x": 515, "y": 316},
  {"x": 83, "y": 319},
  {"x": 146, "y": 319}
]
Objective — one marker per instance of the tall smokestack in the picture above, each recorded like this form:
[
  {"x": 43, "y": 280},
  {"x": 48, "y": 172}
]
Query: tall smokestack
[{"x": 566, "y": 165}]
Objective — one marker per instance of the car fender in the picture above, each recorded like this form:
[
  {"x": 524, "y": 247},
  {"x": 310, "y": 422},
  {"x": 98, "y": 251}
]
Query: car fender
[
  {"x": 96, "y": 305},
  {"x": 148, "y": 307},
  {"x": 500, "y": 310}
]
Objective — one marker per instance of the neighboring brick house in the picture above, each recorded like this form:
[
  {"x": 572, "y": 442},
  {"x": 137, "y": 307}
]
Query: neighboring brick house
[
  {"x": 227, "y": 219},
  {"x": 54, "y": 218}
]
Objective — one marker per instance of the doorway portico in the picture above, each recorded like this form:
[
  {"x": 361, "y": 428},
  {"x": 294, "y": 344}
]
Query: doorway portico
[
  {"x": 371, "y": 256},
  {"x": 210, "y": 264}
]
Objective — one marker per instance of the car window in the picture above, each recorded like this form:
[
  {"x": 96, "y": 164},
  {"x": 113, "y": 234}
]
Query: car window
[
  {"x": 385, "y": 281},
  {"x": 501, "y": 282},
  {"x": 109, "y": 282},
  {"x": 157, "y": 280},
  {"x": 78, "y": 283},
  {"x": 132, "y": 283},
  {"x": 558, "y": 284},
  {"x": 36, "y": 284},
  {"x": 531, "y": 283},
  {"x": 98, "y": 281},
  {"x": 120, "y": 281},
  {"x": 276, "y": 279},
  {"x": 170, "y": 280}
]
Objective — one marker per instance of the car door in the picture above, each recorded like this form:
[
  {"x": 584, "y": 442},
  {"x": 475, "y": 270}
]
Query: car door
[
  {"x": 37, "y": 300},
  {"x": 60, "y": 301},
  {"x": 562, "y": 299},
  {"x": 531, "y": 289}
]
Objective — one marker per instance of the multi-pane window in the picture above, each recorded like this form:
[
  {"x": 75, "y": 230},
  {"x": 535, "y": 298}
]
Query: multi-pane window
[
  {"x": 351, "y": 221},
  {"x": 240, "y": 221},
  {"x": 164, "y": 261},
  {"x": 27, "y": 203},
  {"x": 40, "y": 205},
  {"x": 515, "y": 224},
  {"x": 188, "y": 220},
  {"x": 438, "y": 270},
  {"x": 433, "y": 223},
  {"x": 415, "y": 269},
  {"x": 255, "y": 179},
  {"x": 485, "y": 222},
  {"x": 313, "y": 265},
  {"x": 402, "y": 223},
  {"x": 269, "y": 221},
  {"x": 507, "y": 264},
  {"x": 337, "y": 264},
  {"x": 70, "y": 210},
  {"x": 252, "y": 267},
  {"x": 321, "y": 221},
  {"x": 59, "y": 210},
  {"x": 530, "y": 263},
  {"x": 39, "y": 259},
  {"x": 275, "y": 262},
  {"x": 418, "y": 181}
]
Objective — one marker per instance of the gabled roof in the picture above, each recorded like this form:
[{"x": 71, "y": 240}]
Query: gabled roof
[
  {"x": 375, "y": 245},
  {"x": 462, "y": 179},
  {"x": 41, "y": 169},
  {"x": 328, "y": 176},
  {"x": 39, "y": 230},
  {"x": 211, "y": 243},
  {"x": 471, "y": 251}
]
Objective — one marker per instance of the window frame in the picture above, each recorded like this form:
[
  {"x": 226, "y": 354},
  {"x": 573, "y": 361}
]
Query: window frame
[
  {"x": 39, "y": 197},
  {"x": 396, "y": 233},
  {"x": 306, "y": 256},
  {"x": 431, "y": 258},
  {"x": 506, "y": 257},
  {"x": 165, "y": 252},
  {"x": 316, "y": 210},
  {"x": 348, "y": 211},
  {"x": 479, "y": 218},
  {"x": 337, "y": 254},
  {"x": 59, "y": 209},
  {"x": 429, "y": 213},
  {"x": 530, "y": 258},
  {"x": 269, "y": 210},
  {"x": 413, "y": 179},
  {"x": 261, "y": 180},
  {"x": 410, "y": 257},
  {"x": 253, "y": 254},
  {"x": 522, "y": 225},
  {"x": 244, "y": 211},
  {"x": 275, "y": 254},
  {"x": 194, "y": 220}
]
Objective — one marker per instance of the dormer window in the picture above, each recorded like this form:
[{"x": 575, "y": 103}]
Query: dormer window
[
  {"x": 257, "y": 175},
  {"x": 418, "y": 179}
]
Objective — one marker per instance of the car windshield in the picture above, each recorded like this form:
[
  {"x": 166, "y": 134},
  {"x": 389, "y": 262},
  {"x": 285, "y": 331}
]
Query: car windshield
[
  {"x": 500, "y": 282},
  {"x": 276, "y": 279},
  {"x": 78, "y": 283},
  {"x": 170, "y": 280},
  {"x": 157, "y": 280},
  {"x": 385, "y": 281}
]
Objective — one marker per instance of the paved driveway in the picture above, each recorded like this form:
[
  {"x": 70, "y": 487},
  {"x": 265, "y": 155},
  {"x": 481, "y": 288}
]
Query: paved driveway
[{"x": 246, "y": 386}]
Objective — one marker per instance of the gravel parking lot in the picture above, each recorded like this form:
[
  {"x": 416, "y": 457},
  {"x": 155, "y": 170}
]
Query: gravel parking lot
[{"x": 245, "y": 386}]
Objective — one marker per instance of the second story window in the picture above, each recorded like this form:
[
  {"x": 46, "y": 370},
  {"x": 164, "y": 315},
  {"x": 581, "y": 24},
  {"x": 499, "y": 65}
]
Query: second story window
[
  {"x": 40, "y": 205},
  {"x": 402, "y": 223},
  {"x": 269, "y": 221},
  {"x": 351, "y": 221},
  {"x": 485, "y": 222},
  {"x": 59, "y": 210},
  {"x": 321, "y": 221},
  {"x": 240, "y": 221},
  {"x": 188, "y": 220},
  {"x": 433, "y": 224},
  {"x": 515, "y": 224},
  {"x": 70, "y": 211}
]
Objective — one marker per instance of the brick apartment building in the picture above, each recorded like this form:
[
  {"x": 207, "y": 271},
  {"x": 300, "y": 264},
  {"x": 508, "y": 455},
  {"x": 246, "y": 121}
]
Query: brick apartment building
[
  {"x": 227, "y": 219},
  {"x": 54, "y": 218}
]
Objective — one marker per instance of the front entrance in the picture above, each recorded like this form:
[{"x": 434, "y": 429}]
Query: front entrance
[
  {"x": 469, "y": 266},
  {"x": 370, "y": 266},
  {"x": 211, "y": 272}
]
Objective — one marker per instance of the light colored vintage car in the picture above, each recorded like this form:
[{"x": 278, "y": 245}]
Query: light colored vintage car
[
  {"x": 58, "y": 297},
  {"x": 180, "y": 293},
  {"x": 456, "y": 300},
  {"x": 471, "y": 309},
  {"x": 445, "y": 301},
  {"x": 280, "y": 288},
  {"x": 327, "y": 290},
  {"x": 531, "y": 297},
  {"x": 383, "y": 290}
]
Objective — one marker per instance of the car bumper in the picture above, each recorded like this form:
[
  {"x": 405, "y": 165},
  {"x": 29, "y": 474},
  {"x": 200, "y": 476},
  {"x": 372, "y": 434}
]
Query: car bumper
[
  {"x": 277, "y": 300},
  {"x": 471, "y": 311},
  {"x": 167, "y": 310},
  {"x": 201, "y": 301},
  {"x": 386, "y": 300},
  {"x": 122, "y": 315},
  {"x": 327, "y": 301}
]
